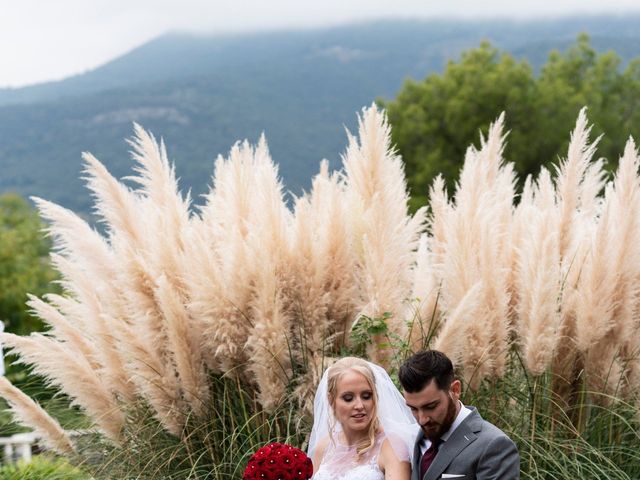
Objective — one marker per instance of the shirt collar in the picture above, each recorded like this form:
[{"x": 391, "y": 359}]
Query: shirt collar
[{"x": 462, "y": 414}]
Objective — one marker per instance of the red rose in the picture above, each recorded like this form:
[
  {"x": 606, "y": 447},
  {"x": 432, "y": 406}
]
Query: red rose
[
  {"x": 287, "y": 460},
  {"x": 278, "y": 461}
]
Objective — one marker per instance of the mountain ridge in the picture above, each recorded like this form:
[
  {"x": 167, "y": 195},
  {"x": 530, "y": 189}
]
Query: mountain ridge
[
  {"x": 202, "y": 95},
  {"x": 118, "y": 72}
]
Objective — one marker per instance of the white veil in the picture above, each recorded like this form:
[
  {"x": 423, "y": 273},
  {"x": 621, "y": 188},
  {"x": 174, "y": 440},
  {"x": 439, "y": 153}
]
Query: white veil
[{"x": 394, "y": 415}]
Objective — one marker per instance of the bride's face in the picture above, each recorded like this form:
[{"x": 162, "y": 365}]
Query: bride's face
[{"x": 354, "y": 405}]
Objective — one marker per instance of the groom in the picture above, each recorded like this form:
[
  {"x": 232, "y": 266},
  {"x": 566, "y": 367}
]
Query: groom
[{"x": 455, "y": 442}]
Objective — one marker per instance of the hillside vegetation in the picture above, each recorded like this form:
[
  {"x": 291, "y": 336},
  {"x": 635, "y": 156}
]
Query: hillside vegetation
[
  {"x": 435, "y": 119},
  {"x": 202, "y": 94}
]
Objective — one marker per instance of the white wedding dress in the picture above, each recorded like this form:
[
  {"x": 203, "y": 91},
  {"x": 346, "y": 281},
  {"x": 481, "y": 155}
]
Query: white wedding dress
[{"x": 340, "y": 462}]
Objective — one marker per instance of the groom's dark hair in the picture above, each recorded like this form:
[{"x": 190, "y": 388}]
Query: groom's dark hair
[{"x": 422, "y": 367}]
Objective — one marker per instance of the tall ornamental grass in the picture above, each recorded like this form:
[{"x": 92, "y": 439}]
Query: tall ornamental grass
[{"x": 191, "y": 335}]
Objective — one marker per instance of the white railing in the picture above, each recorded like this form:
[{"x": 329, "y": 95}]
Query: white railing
[{"x": 18, "y": 447}]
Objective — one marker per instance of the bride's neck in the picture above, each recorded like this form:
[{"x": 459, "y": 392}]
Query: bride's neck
[{"x": 352, "y": 438}]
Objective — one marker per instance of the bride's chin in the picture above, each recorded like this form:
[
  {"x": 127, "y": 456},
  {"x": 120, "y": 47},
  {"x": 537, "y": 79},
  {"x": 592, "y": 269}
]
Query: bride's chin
[{"x": 357, "y": 426}]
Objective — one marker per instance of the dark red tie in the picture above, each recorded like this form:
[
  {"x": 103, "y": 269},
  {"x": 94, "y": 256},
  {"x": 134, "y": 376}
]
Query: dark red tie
[{"x": 427, "y": 458}]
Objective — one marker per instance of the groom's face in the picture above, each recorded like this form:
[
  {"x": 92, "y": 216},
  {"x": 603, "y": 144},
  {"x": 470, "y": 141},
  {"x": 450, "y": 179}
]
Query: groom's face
[{"x": 434, "y": 409}]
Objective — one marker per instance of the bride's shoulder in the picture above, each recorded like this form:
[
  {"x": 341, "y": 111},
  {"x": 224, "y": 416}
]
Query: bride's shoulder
[
  {"x": 319, "y": 451},
  {"x": 396, "y": 446},
  {"x": 394, "y": 459}
]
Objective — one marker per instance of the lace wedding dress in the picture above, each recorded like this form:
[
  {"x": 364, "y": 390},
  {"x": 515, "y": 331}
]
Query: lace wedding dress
[{"x": 341, "y": 462}]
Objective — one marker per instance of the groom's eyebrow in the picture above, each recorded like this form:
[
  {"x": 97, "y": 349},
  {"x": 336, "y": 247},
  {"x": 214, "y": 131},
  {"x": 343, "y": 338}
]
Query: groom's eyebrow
[{"x": 432, "y": 404}]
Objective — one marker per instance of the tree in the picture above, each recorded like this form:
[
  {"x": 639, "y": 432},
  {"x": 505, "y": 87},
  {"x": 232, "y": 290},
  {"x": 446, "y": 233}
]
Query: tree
[
  {"x": 24, "y": 263},
  {"x": 582, "y": 77},
  {"x": 436, "y": 119},
  {"x": 24, "y": 268}
]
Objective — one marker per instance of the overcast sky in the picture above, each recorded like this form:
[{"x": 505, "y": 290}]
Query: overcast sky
[{"x": 43, "y": 40}]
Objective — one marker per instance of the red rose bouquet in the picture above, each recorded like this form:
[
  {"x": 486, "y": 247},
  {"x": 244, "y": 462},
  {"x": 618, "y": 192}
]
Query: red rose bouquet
[{"x": 278, "y": 461}]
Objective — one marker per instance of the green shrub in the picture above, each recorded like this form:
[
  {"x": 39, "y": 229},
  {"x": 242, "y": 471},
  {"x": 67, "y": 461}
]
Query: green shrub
[{"x": 42, "y": 468}]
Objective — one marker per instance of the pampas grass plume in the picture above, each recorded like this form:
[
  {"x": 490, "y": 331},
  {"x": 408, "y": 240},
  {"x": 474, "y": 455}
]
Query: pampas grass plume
[
  {"x": 386, "y": 235},
  {"x": 30, "y": 414},
  {"x": 71, "y": 373}
]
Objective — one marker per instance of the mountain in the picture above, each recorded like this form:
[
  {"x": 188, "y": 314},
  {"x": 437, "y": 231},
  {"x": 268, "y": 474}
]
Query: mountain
[{"x": 202, "y": 94}]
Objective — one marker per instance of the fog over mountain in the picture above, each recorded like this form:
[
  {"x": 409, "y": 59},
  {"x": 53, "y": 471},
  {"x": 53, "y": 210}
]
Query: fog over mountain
[{"x": 203, "y": 93}]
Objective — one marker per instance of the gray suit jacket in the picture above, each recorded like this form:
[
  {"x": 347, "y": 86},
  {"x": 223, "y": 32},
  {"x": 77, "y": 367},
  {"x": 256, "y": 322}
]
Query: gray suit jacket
[{"x": 475, "y": 450}]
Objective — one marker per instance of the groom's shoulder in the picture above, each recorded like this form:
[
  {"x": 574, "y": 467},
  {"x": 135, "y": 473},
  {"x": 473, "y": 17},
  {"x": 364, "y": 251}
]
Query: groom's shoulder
[
  {"x": 491, "y": 430},
  {"x": 484, "y": 427}
]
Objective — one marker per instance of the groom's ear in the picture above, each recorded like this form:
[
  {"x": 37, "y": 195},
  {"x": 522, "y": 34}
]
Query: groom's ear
[{"x": 456, "y": 389}]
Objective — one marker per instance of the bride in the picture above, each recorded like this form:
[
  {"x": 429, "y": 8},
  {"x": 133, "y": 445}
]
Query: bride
[{"x": 362, "y": 429}]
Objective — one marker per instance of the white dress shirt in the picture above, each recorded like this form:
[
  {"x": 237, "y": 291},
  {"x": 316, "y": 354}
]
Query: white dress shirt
[{"x": 462, "y": 414}]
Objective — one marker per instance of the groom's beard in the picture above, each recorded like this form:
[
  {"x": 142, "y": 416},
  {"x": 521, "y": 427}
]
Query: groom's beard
[{"x": 434, "y": 430}]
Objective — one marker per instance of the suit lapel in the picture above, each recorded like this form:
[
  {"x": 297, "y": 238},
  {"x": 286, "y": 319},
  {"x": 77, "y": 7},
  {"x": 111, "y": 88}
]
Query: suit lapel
[{"x": 462, "y": 436}]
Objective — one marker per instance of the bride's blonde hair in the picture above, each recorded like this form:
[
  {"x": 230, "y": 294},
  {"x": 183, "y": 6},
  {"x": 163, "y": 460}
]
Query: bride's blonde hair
[{"x": 335, "y": 373}]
